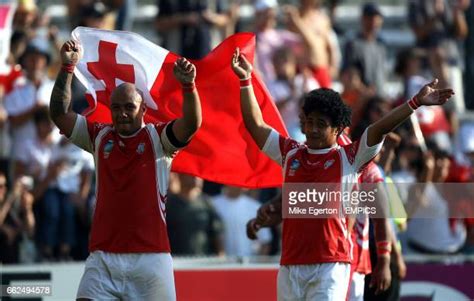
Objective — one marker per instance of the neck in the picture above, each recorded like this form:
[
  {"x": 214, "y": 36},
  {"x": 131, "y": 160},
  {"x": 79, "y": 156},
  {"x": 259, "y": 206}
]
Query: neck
[
  {"x": 320, "y": 145},
  {"x": 132, "y": 132}
]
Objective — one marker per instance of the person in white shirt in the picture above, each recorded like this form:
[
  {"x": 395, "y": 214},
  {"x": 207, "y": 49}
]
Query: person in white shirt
[
  {"x": 235, "y": 208},
  {"x": 30, "y": 94}
]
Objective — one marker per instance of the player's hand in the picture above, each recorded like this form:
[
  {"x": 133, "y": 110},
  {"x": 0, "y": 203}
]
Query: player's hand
[
  {"x": 184, "y": 71},
  {"x": 252, "y": 228},
  {"x": 71, "y": 52},
  {"x": 269, "y": 214},
  {"x": 240, "y": 65},
  {"x": 431, "y": 95},
  {"x": 381, "y": 276},
  {"x": 402, "y": 267}
]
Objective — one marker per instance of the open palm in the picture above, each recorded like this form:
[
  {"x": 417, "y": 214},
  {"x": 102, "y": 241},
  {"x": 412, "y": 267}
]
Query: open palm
[
  {"x": 430, "y": 95},
  {"x": 240, "y": 65}
]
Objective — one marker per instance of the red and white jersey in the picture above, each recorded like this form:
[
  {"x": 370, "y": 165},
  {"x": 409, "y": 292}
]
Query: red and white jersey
[
  {"x": 132, "y": 175},
  {"x": 432, "y": 120},
  {"x": 360, "y": 233},
  {"x": 317, "y": 240}
]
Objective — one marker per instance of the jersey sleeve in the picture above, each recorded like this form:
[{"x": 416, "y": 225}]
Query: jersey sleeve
[
  {"x": 277, "y": 147},
  {"x": 359, "y": 153},
  {"x": 171, "y": 145},
  {"x": 371, "y": 174},
  {"x": 84, "y": 133}
]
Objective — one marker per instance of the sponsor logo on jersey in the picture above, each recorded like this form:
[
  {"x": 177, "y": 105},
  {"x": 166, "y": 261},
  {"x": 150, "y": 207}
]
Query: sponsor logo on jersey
[
  {"x": 109, "y": 145},
  {"x": 141, "y": 148},
  {"x": 295, "y": 164},
  {"x": 328, "y": 163}
]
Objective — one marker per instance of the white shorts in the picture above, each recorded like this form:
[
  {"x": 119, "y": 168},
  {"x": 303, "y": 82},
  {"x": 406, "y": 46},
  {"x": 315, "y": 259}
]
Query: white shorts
[
  {"x": 326, "y": 281},
  {"x": 140, "y": 276},
  {"x": 356, "y": 292}
]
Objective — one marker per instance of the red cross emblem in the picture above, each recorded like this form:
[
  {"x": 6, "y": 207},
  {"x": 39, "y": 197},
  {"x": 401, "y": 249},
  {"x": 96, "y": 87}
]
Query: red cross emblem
[{"x": 107, "y": 68}]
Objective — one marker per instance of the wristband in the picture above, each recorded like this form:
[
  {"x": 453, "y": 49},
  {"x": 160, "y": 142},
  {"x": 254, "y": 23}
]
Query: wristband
[
  {"x": 383, "y": 253},
  {"x": 414, "y": 103},
  {"x": 384, "y": 247},
  {"x": 188, "y": 87},
  {"x": 245, "y": 83},
  {"x": 69, "y": 68}
]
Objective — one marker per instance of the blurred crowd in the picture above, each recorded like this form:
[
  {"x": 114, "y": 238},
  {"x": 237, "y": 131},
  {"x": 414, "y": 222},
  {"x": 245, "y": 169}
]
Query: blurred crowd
[{"x": 47, "y": 184}]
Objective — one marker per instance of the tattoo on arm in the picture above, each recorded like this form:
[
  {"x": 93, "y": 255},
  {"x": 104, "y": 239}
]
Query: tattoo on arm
[{"x": 61, "y": 95}]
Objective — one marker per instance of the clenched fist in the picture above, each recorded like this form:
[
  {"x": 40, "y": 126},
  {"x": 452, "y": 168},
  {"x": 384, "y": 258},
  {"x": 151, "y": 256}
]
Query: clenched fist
[
  {"x": 184, "y": 71},
  {"x": 71, "y": 53}
]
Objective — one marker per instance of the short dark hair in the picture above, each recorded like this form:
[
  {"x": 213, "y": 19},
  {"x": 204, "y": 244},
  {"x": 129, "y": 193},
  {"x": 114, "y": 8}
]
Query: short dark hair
[{"x": 329, "y": 103}]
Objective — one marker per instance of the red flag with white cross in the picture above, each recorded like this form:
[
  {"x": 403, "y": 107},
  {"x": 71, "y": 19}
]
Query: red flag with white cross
[
  {"x": 7, "y": 11},
  {"x": 222, "y": 151}
]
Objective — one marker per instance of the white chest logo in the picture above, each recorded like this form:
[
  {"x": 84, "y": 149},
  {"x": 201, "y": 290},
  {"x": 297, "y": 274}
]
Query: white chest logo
[
  {"x": 328, "y": 164},
  {"x": 141, "y": 148}
]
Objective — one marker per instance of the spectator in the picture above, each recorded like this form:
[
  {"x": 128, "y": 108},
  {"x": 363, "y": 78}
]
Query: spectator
[
  {"x": 98, "y": 10},
  {"x": 55, "y": 211},
  {"x": 314, "y": 17},
  {"x": 18, "y": 43},
  {"x": 432, "y": 121},
  {"x": 235, "y": 209},
  {"x": 25, "y": 17},
  {"x": 376, "y": 108},
  {"x": 288, "y": 87},
  {"x": 29, "y": 95},
  {"x": 314, "y": 53},
  {"x": 72, "y": 193},
  {"x": 4, "y": 135},
  {"x": 355, "y": 94},
  {"x": 188, "y": 27},
  {"x": 438, "y": 26},
  {"x": 125, "y": 13},
  {"x": 93, "y": 15},
  {"x": 367, "y": 51},
  {"x": 17, "y": 223},
  {"x": 430, "y": 231},
  {"x": 466, "y": 137},
  {"x": 269, "y": 39},
  {"x": 194, "y": 227}
]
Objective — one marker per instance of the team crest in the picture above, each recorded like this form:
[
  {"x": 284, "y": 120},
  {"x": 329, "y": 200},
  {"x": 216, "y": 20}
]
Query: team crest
[
  {"x": 293, "y": 167},
  {"x": 328, "y": 163},
  {"x": 108, "y": 148},
  {"x": 141, "y": 148}
]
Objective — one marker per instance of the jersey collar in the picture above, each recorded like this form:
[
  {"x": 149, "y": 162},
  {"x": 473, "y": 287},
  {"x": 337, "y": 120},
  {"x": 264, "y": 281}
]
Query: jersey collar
[
  {"x": 322, "y": 150},
  {"x": 134, "y": 134}
]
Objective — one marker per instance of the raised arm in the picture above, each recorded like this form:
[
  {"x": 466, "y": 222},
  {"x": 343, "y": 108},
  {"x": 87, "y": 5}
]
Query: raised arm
[
  {"x": 429, "y": 95},
  {"x": 251, "y": 112},
  {"x": 60, "y": 104},
  {"x": 185, "y": 127}
]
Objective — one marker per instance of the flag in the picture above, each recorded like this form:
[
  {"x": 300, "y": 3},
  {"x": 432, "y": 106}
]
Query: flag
[
  {"x": 222, "y": 150},
  {"x": 6, "y": 17}
]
